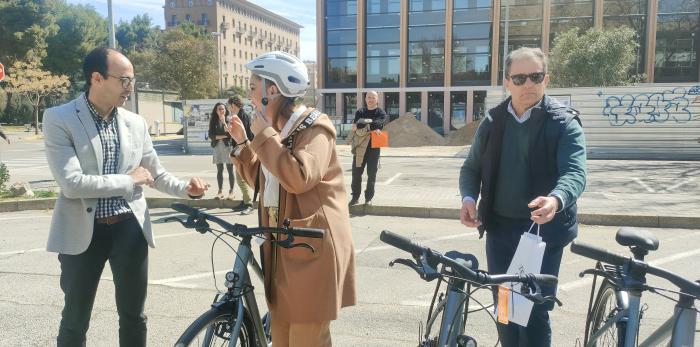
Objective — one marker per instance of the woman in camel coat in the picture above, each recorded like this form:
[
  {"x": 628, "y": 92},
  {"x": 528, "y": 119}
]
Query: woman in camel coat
[{"x": 305, "y": 290}]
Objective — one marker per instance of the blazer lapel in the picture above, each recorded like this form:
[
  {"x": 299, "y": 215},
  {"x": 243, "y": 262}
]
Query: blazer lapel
[
  {"x": 83, "y": 113},
  {"x": 124, "y": 141}
]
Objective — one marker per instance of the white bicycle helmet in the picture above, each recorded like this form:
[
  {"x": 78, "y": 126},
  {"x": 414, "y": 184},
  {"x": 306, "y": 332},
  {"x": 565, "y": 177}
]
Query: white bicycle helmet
[{"x": 288, "y": 72}]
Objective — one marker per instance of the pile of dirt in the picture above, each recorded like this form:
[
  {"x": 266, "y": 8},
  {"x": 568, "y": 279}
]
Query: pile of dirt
[
  {"x": 407, "y": 131},
  {"x": 463, "y": 136}
]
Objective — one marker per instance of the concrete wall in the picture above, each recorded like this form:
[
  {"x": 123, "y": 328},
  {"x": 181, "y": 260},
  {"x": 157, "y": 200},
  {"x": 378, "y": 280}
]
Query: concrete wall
[
  {"x": 156, "y": 108},
  {"x": 659, "y": 121}
]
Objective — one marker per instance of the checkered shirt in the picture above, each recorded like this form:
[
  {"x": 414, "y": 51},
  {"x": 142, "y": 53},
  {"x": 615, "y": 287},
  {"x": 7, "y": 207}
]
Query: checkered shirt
[{"x": 109, "y": 137}]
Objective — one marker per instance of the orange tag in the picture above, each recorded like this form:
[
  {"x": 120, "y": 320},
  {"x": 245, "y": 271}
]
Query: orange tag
[
  {"x": 503, "y": 296},
  {"x": 380, "y": 140}
]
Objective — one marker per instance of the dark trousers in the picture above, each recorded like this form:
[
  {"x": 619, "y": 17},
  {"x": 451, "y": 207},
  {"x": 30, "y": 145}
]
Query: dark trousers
[
  {"x": 371, "y": 161},
  {"x": 124, "y": 246},
  {"x": 501, "y": 242}
]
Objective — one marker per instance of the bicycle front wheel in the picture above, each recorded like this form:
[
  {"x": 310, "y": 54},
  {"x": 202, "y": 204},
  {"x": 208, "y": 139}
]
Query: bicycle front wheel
[
  {"x": 604, "y": 307},
  {"x": 213, "y": 328}
]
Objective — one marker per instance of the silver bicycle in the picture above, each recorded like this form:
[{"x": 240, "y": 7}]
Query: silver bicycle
[
  {"x": 459, "y": 271},
  {"x": 614, "y": 315}
]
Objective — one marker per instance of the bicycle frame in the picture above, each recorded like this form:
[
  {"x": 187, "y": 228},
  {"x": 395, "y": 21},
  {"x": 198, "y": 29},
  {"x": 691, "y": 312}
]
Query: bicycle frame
[
  {"x": 240, "y": 267},
  {"x": 680, "y": 326},
  {"x": 452, "y": 324}
]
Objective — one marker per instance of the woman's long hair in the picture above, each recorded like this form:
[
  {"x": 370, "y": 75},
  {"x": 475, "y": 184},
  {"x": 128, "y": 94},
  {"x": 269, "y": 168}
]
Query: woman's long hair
[{"x": 214, "y": 117}]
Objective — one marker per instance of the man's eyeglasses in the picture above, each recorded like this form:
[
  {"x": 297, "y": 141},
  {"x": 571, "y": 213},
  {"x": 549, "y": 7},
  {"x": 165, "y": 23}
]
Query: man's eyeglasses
[
  {"x": 520, "y": 79},
  {"x": 126, "y": 81}
]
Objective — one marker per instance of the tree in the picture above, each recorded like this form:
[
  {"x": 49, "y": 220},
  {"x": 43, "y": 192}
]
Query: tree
[
  {"x": 81, "y": 29},
  {"x": 595, "y": 58},
  {"x": 24, "y": 28},
  {"x": 28, "y": 79},
  {"x": 136, "y": 35}
]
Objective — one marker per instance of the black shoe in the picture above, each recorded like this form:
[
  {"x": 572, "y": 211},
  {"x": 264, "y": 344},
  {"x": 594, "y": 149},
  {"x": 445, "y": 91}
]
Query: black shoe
[
  {"x": 240, "y": 207},
  {"x": 353, "y": 202},
  {"x": 248, "y": 210}
]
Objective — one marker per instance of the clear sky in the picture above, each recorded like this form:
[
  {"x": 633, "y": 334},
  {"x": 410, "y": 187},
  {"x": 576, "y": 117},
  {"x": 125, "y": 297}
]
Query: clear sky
[{"x": 299, "y": 11}]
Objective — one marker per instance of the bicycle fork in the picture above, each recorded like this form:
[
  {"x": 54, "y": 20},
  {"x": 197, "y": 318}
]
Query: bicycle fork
[{"x": 452, "y": 323}]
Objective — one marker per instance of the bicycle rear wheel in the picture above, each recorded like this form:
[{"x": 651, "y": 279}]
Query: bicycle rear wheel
[
  {"x": 605, "y": 306},
  {"x": 213, "y": 328}
]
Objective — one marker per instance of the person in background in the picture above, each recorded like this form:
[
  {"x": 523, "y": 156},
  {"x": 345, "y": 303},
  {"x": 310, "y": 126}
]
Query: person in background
[
  {"x": 4, "y": 136},
  {"x": 294, "y": 162},
  {"x": 101, "y": 157},
  {"x": 235, "y": 104},
  {"x": 528, "y": 164},
  {"x": 221, "y": 144},
  {"x": 367, "y": 119}
]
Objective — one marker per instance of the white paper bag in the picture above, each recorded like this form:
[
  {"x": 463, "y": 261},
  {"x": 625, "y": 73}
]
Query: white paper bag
[{"x": 527, "y": 259}]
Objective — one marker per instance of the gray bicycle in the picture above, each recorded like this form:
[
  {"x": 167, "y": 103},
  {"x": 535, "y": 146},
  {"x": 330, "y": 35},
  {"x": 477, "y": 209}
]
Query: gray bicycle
[
  {"x": 614, "y": 314},
  {"x": 234, "y": 317},
  {"x": 460, "y": 272}
]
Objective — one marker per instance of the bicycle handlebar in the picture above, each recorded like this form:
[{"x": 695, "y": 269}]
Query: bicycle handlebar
[
  {"x": 243, "y": 230},
  {"x": 605, "y": 256},
  {"x": 417, "y": 250}
]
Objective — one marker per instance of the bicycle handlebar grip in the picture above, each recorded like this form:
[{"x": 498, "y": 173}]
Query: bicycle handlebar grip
[
  {"x": 401, "y": 242},
  {"x": 596, "y": 253},
  {"x": 182, "y": 208},
  {"x": 547, "y": 280},
  {"x": 309, "y": 232}
]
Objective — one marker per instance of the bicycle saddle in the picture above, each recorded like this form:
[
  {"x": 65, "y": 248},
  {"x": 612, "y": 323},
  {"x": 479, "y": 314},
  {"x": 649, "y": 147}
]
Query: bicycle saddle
[
  {"x": 637, "y": 238},
  {"x": 466, "y": 259}
]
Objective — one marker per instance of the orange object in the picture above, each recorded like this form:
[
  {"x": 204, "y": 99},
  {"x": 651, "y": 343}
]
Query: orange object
[
  {"x": 503, "y": 296},
  {"x": 381, "y": 140}
]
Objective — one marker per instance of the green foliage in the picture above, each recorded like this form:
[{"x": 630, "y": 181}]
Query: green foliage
[
  {"x": 81, "y": 29},
  {"x": 136, "y": 35},
  {"x": 236, "y": 90},
  {"x": 24, "y": 28},
  {"x": 4, "y": 177},
  {"x": 594, "y": 58}
]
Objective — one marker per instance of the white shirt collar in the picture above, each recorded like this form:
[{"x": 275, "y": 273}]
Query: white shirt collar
[
  {"x": 292, "y": 119},
  {"x": 522, "y": 119}
]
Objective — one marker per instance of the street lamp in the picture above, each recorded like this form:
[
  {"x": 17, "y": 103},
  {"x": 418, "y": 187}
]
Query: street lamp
[
  {"x": 505, "y": 45},
  {"x": 218, "y": 54}
]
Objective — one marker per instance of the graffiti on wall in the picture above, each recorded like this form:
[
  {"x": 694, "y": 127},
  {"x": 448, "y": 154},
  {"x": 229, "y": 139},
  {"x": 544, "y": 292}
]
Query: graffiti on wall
[{"x": 667, "y": 106}]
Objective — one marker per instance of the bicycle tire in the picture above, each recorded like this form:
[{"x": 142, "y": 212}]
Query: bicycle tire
[
  {"x": 212, "y": 329},
  {"x": 604, "y": 306}
]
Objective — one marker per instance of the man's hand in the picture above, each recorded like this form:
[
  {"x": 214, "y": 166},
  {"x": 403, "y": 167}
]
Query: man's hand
[
  {"x": 378, "y": 131},
  {"x": 196, "y": 187},
  {"x": 468, "y": 215},
  {"x": 546, "y": 207},
  {"x": 354, "y": 128},
  {"x": 141, "y": 176}
]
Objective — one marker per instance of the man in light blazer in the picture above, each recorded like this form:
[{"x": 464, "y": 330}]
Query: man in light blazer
[{"x": 101, "y": 157}]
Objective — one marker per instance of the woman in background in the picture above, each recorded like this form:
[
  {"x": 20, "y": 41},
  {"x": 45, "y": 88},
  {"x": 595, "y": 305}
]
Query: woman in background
[{"x": 221, "y": 143}]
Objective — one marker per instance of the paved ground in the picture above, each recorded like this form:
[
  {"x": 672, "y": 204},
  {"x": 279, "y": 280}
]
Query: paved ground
[
  {"x": 428, "y": 176},
  {"x": 392, "y": 301}
]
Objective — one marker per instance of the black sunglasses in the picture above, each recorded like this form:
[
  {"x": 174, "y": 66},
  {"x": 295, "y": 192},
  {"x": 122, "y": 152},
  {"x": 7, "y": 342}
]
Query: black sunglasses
[{"x": 520, "y": 79}]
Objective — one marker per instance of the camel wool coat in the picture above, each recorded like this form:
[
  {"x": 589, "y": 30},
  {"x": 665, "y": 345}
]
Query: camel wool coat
[{"x": 301, "y": 286}]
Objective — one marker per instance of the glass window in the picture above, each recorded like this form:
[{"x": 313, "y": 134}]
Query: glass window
[
  {"x": 630, "y": 13},
  {"x": 341, "y": 43},
  {"x": 382, "y": 46},
  {"x": 413, "y": 104},
  {"x": 349, "y": 107},
  {"x": 436, "y": 102},
  {"x": 329, "y": 105},
  {"x": 569, "y": 14},
  {"x": 471, "y": 44},
  {"x": 677, "y": 41},
  {"x": 391, "y": 105},
  {"x": 426, "y": 42},
  {"x": 458, "y": 110},
  {"x": 479, "y": 110},
  {"x": 524, "y": 27}
]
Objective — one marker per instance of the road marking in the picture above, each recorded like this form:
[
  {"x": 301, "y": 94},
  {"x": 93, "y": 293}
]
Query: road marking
[
  {"x": 586, "y": 281},
  {"x": 173, "y": 235},
  {"x": 188, "y": 277},
  {"x": 388, "y": 182},
  {"x": 681, "y": 184},
  {"x": 23, "y": 251},
  {"x": 24, "y": 217},
  {"x": 644, "y": 185}
]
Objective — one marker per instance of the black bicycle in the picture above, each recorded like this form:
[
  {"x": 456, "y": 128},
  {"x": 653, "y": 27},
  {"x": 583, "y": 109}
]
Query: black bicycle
[
  {"x": 460, "y": 272},
  {"x": 234, "y": 317}
]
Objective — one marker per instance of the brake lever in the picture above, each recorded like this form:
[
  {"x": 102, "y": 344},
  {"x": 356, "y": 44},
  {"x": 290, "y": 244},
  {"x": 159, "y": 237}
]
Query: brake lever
[
  {"x": 536, "y": 296},
  {"x": 289, "y": 242}
]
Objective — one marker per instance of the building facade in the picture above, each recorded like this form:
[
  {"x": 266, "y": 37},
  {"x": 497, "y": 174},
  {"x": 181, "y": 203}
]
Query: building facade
[
  {"x": 437, "y": 59},
  {"x": 241, "y": 29}
]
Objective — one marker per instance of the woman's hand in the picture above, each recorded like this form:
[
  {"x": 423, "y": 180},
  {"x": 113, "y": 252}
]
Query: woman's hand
[{"x": 237, "y": 130}]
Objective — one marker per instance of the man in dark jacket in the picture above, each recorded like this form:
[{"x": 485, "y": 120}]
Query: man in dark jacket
[
  {"x": 367, "y": 119},
  {"x": 236, "y": 106},
  {"x": 527, "y": 164}
]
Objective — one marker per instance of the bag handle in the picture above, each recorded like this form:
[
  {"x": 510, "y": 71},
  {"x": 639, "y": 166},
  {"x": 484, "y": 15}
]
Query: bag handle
[{"x": 538, "y": 228}]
